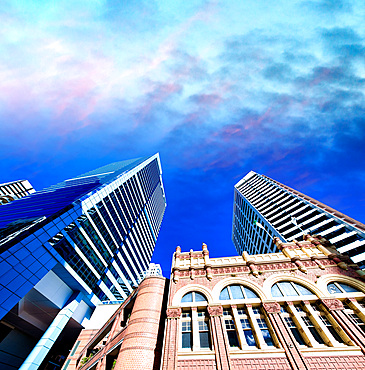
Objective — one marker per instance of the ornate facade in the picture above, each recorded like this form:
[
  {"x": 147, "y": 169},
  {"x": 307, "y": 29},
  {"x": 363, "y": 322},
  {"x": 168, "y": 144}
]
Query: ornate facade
[{"x": 301, "y": 308}]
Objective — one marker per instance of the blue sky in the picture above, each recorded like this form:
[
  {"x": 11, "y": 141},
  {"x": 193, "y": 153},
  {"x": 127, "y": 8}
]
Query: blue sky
[{"x": 216, "y": 87}]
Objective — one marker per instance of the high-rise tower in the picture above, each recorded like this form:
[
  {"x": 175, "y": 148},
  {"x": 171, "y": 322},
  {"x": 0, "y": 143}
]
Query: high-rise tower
[
  {"x": 74, "y": 245},
  {"x": 287, "y": 214},
  {"x": 15, "y": 190}
]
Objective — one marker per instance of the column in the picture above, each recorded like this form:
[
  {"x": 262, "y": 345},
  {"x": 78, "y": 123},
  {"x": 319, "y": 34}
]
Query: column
[
  {"x": 307, "y": 335},
  {"x": 220, "y": 340},
  {"x": 335, "y": 307},
  {"x": 320, "y": 326},
  {"x": 40, "y": 351},
  {"x": 195, "y": 328},
  {"x": 237, "y": 323},
  {"x": 171, "y": 338},
  {"x": 284, "y": 335},
  {"x": 256, "y": 329}
]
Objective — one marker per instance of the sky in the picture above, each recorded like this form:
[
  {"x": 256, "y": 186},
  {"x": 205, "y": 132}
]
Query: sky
[{"x": 218, "y": 88}]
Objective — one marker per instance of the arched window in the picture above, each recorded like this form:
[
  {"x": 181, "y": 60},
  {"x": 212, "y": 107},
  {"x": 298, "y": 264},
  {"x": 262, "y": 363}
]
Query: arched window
[
  {"x": 289, "y": 289},
  {"x": 193, "y": 297},
  {"x": 237, "y": 292},
  {"x": 334, "y": 288}
]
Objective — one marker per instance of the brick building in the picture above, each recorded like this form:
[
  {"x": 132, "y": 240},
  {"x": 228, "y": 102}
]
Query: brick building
[
  {"x": 133, "y": 336},
  {"x": 300, "y": 308}
]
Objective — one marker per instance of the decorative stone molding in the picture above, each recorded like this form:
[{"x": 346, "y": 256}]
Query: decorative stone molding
[
  {"x": 176, "y": 275},
  {"x": 215, "y": 310},
  {"x": 173, "y": 313},
  {"x": 272, "y": 307},
  {"x": 332, "y": 304}
]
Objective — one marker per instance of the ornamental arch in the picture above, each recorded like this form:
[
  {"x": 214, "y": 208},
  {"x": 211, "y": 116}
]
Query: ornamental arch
[
  {"x": 323, "y": 282},
  {"x": 176, "y": 301},
  {"x": 237, "y": 281},
  {"x": 306, "y": 283}
]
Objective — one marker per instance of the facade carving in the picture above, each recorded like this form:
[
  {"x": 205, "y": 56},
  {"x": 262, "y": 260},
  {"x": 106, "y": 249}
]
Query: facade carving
[
  {"x": 215, "y": 310},
  {"x": 272, "y": 307},
  {"x": 333, "y": 304},
  {"x": 173, "y": 313}
]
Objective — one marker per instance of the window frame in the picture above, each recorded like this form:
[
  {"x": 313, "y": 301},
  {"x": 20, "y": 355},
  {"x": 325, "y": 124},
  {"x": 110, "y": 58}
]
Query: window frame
[
  {"x": 285, "y": 297},
  {"x": 244, "y": 298}
]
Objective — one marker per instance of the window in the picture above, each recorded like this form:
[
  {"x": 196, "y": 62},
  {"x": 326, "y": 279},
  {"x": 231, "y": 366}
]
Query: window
[
  {"x": 193, "y": 297},
  {"x": 330, "y": 328},
  {"x": 194, "y": 321},
  {"x": 236, "y": 292},
  {"x": 294, "y": 330},
  {"x": 312, "y": 329},
  {"x": 246, "y": 320},
  {"x": 265, "y": 332},
  {"x": 335, "y": 288},
  {"x": 186, "y": 334},
  {"x": 204, "y": 334},
  {"x": 231, "y": 333},
  {"x": 356, "y": 320},
  {"x": 247, "y": 331},
  {"x": 289, "y": 289}
]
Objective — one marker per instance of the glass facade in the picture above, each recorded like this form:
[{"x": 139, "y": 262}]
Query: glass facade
[
  {"x": 275, "y": 206},
  {"x": 102, "y": 225}
]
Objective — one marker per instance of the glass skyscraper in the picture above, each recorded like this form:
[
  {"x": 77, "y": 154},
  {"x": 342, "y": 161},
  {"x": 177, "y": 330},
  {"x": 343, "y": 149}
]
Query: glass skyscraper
[
  {"x": 14, "y": 190},
  {"x": 72, "y": 246},
  {"x": 286, "y": 213}
]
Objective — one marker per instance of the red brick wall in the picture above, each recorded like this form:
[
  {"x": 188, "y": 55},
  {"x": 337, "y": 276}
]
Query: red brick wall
[
  {"x": 336, "y": 363},
  {"x": 196, "y": 365},
  {"x": 261, "y": 364},
  {"x": 138, "y": 348}
]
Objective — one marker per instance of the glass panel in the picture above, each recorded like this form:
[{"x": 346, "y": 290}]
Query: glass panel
[
  {"x": 315, "y": 334},
  {"x": 275, "y": 292},
  {"x": 288, "y": 289},
  {"x": 262, "y": 323},
  {"x": 250, "y": 339},
  {"x": 199, "y": 297},
  {"x": 297, "y": 336},
  {"x": 333, "y": 289},
  {"x": 236, "y": 292},
  {"x": 348, "y": 288},
  {"x": 230, "y": 325},
  {"x": 245, "y": 324},
  {"x": 187, "y": 297},
  {"x": 186, "y": 340},
  {"x": 335, "y": 334},
  {"x": 203, "y": 326},
  {"x": 302, "y": 290},
  {"x": 224, "y": 295},
  {"x": 232, "y": 338},
  {"x": 250, "y": 293},
  {"x": 267, "y": 337},
  {"x": 204, "y": 339}
]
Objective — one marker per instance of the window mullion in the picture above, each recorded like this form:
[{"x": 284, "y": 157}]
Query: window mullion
[
  {"x": 237, "y": 322},
  {"x": 255, "y": 327},
  {"x": 195, "y": 328},
  {"x": 302, "y": 327},
  {"x": 319, "y": 325},
  {"x": 358, "y": 309}
]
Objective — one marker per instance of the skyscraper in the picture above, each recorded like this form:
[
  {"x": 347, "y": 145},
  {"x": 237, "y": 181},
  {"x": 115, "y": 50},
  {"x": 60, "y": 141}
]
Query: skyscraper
[
  {"x": 15, "y": 190},
  {"x": 71, "y": 246},
  {"x": 286, "y": 213}
]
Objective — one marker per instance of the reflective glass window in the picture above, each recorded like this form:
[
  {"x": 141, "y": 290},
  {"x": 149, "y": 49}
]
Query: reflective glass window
[{"x": 193, "y": 297}]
